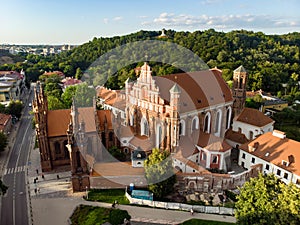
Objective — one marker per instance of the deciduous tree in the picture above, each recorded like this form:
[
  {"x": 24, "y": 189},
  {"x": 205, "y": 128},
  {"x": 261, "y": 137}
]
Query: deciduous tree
[
  {"x": 3, "y": 141},
  {"x": 159, "y": 173},
  {"x": 266, "y": 200}
]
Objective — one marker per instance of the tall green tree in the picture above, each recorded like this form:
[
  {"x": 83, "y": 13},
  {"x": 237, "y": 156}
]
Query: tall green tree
[
  {"x": 67, "y": 96},
  {"x": 3, "y": 141},
  {"x": 54, "y": 103},
  {"x": 78, "y": 73},
  {"x": 266, "y": 200},
  {"x": 159, "y": 173},
  {"x": 2, "y": 108},
  {"x": 15, "y": 108},
  {"x": 3, "y": 188},
  {"x": 84, "y": 95}
]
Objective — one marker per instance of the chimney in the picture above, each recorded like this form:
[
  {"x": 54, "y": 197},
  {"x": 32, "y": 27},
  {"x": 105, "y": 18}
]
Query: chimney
[
  {"x": 253, "y": 147},
  {"x": 291, "y": 159},
  {"x": 279, "y": 134}
]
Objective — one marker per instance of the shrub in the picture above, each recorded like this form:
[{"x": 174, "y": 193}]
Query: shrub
[{"x": 117, "y": 216}]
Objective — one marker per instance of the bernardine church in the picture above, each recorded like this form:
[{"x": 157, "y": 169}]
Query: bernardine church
[{"x": 186, "y": 114}]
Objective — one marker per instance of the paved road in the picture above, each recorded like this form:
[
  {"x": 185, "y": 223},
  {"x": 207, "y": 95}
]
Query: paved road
[{"x": 14, "y": 210}]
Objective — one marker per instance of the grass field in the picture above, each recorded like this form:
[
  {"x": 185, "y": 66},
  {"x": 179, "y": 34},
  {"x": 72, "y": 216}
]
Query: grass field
[
  {"x": 108, "y": 196},
  {"x": 91, "y": 215}
]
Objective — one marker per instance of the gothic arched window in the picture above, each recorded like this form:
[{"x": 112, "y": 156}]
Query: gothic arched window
[
  {"x": 144, "y": 127},
  {"x": 66, "y": 151},
  {"x": 195, "y": 123},
  {"x": 218, "y": 122},
  {"x": 228, "y": 117},
  {"x": 111, "y": 136},
  {"x": 158, "y": 136},
  {"x": 57, "y": 148},
  {"x": 182, "y": 128},
  {"x": 207, "y": 123}
]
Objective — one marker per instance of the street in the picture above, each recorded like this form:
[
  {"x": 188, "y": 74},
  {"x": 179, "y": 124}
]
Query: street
[{"x": 14, "y": 210}]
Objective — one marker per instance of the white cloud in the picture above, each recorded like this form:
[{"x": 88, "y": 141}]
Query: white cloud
[
  {"x": 106, "y": 20},
  {"x": 209, "y": 2},
  {"x": 117, "y": 18},
  {"x": 224, "y": 22}
]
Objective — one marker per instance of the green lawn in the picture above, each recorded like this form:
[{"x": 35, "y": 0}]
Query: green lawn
[
  {"x": 91, "y": 215},
  {"x": 204, "y": 222},
  {"x": 109, "y": 196}
]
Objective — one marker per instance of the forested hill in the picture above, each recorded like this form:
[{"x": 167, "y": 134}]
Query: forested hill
[{"x": 269, "y": 59}]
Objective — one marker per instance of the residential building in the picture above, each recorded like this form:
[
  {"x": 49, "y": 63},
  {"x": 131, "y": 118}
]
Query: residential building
[
  {"x": 273, "y": 106},
  {"x": 276, "y": 153},
  {"x": 11, "y": 86}
]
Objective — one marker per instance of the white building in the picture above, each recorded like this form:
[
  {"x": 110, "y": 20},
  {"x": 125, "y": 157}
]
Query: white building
[
  {"x": 276, "y": 153},
  {"x": 252, "y": 122}
]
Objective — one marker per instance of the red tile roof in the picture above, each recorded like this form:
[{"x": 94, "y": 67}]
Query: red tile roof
[
  {"x": 236, "y": 136},
  {"x": 87, "y": 115},
  {"x": 59, "y": 73},
  {"x": 213, "y": 143},
  {"x": 4, "y": 119},
  {"x": 105, "y": 116},
  {"x": 199, "y": 89},
  {"x": 57, "y": 122},
  {"x": 143, "y": 142},
  {"x": 254, "y": 117},
  {"x": 70, "y": 81}
]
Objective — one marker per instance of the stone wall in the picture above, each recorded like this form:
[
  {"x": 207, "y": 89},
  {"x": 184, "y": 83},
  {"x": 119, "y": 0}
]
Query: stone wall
[{"x": 213, "y": 182}]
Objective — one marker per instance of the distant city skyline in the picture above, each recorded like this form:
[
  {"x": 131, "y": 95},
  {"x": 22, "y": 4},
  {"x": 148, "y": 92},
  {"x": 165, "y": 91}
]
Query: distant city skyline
[{"x": 76, "y": 22}]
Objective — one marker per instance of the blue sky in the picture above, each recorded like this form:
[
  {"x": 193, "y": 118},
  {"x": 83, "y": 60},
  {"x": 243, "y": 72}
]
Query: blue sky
[{"x": 78, "y": 21}]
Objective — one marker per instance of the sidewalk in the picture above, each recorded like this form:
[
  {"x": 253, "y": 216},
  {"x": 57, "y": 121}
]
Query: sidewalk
[{"x": 58, "y": 210}]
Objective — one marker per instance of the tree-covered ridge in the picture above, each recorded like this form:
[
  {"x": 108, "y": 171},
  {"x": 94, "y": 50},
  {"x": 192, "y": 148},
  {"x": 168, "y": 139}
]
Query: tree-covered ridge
[{"x": 270, "y": 59}]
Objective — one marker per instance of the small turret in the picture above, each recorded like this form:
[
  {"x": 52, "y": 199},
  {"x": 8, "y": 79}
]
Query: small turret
[{"x": 174, "y": 96}]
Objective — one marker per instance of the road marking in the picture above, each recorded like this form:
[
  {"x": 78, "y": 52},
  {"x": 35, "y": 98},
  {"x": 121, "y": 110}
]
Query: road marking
[{"x": 14, "y": 170}]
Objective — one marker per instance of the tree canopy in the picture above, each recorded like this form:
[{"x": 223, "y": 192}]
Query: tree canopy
[
  {"x": 159, "y": 173},
  {"x": 15, "y": 108},
  {"x": 3, "y": 141},
  {"x": 266, "y": 200},
  {"x": 3, "y": 188},
  {"x": 269, "y": 59}
]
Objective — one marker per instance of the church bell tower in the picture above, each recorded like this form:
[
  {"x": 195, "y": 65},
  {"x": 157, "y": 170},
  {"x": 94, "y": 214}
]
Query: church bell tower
[{"x": 240, "y": 77}]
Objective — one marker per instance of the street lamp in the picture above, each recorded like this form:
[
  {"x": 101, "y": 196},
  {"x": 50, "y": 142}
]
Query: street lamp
[
  {"x": 86, "y": 192},
  {"x": 284, "y": 86}
]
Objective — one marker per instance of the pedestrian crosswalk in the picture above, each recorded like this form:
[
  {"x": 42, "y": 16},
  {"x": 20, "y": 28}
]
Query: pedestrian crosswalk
[{"x": 14, "y": 170}]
